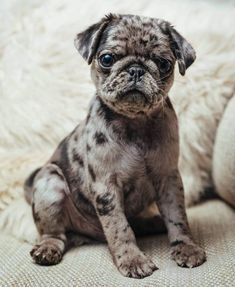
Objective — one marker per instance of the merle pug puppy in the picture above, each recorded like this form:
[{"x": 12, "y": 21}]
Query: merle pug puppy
[{"x": 124, "y": 156}]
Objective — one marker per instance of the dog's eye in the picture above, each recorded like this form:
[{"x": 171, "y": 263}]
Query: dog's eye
[
  {"x": 164, "y": 66},
  {"x": 106, "y": 60}
]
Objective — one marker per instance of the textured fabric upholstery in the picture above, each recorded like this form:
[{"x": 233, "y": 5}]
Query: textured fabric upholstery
[{"x": 213, "y": 226}]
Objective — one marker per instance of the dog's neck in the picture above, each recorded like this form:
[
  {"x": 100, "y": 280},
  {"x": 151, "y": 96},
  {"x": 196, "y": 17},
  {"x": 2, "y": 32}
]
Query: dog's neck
[
  {"x": 144, "y": 130},
  {"x": 158, "y": 111}
]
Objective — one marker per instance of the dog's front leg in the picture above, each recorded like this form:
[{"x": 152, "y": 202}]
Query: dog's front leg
[
  {"x": 128, "y": 258},
  {"x": 170, "y": 199}
]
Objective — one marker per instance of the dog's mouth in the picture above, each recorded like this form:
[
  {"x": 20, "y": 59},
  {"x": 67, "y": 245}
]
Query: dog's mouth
[
  {"x": 133, "y": 102},
  {"x": 134, "y": 96}
]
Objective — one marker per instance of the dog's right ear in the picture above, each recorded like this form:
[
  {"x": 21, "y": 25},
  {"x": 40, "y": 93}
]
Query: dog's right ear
[
  {"x": 87, "y": 41},
  {"x": 181, "y": 48}
]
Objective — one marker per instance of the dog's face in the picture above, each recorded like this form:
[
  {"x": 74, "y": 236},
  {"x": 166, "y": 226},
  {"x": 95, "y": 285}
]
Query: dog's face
[{"x": 133, "y": 60}]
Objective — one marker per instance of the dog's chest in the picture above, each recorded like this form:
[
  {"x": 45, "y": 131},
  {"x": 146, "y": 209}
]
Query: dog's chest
[
  {"x": 147, "y": 152},
  {"x": 146, "y": 146}
]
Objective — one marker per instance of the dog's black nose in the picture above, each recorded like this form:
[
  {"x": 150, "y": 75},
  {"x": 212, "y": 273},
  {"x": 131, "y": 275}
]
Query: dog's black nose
[{"x": 136, "y": 72}]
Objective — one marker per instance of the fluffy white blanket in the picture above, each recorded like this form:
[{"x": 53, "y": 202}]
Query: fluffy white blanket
[{"x": 45, "y": 86}]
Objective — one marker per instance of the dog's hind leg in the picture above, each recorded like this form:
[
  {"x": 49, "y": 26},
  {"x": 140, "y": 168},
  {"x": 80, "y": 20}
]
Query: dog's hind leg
[{"x": 49, "y": 211}]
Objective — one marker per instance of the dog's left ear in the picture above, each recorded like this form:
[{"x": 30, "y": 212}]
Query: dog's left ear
[
  {"x": 87, "y": 41},
  {"x": 183, "y": 51}
]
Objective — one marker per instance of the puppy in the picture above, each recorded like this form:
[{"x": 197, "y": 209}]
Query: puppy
[{"x": 124, "y": 156}]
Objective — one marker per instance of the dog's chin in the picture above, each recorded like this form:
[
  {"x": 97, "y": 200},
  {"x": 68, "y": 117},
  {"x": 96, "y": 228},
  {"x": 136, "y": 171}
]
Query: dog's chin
[
  {"x": 133, "y": 102},
  {"x": 135, "y": 97}
]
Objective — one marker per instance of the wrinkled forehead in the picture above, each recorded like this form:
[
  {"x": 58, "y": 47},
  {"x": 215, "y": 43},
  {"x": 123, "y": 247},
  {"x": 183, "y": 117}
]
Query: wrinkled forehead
[{"x": 135, "y": 35}]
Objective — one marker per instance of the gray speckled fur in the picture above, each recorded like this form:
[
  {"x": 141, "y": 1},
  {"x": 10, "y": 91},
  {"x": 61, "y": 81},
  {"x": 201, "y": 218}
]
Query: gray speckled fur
[{"x": 123, "y": 157}]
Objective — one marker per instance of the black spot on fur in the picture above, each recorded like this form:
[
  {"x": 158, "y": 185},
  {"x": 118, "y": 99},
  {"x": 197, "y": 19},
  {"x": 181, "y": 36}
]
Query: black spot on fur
[
  {"x": 77, "y": 158},
  {"x": 125, "y": 22},
  {"x": 55, "y": 172},
  {"x": 83, "y": 203},
  {"x": 73, "y": 179},
  {"x": 88, "y": 118},
  {"x": 176, "y": 242},
  {"x": 106, "y": 112},
  {"x": 153, "y": 37},
  {"x": 82, "y": 197},
  {"x": 181, "y": 206},
  {"x": 105, "y": 204},
  {"x": 88, "y": 147},
  {"x": 126, "y": 227},
  {"x": 36, "y": 216},
  {"x": 100, "y": 138},
  {"x": 91, "y": 172},
  {"x": 143, "y": 42},
  {"x": 147, "y": 25},
  {"x": 180, "y": 224},
  {"x": 120, "y": 38},
  {"x": 29, "y": 181},
  {"x": 64, "y": 161}
]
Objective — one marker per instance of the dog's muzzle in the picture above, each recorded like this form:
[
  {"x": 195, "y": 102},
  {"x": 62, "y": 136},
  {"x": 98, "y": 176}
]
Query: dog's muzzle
[{"x": 136, "y": 73}]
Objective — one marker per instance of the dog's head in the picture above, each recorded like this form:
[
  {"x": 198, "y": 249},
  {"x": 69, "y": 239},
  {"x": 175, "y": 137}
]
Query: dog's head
[{"x": 133, "y": 60}]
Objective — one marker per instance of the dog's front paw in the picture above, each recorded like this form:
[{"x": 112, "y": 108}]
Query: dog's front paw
[
  {"x": 136, "y": 265},
  {"x": 46, "y": 254},
  {"x": 188, "y": 255}
]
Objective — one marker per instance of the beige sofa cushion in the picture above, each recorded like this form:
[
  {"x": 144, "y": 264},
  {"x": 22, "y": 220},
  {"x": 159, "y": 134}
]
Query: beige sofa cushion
[
  {"x": 224, "y": 155},
  {"x": 213, "y": 226}
]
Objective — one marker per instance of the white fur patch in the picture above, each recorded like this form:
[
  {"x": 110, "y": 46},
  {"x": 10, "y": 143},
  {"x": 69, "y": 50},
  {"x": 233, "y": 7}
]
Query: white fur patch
[{"x": 49, "y": 190}]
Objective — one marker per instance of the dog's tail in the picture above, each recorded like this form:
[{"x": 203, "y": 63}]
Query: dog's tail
[{"x": 28, "y": 185}]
